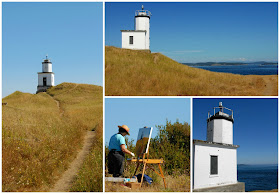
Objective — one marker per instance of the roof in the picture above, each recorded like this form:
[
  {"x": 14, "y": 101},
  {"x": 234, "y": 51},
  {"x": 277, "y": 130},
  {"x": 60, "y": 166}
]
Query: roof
[
  {"x": 45, "y": 72},
  {"x": 142, "y": 13},
  {"x": 220, "y": 115},
  {"x": 215, "y": 143},
  {"x": 133, "y": 30},
  {"x": 47, "y": 61}
]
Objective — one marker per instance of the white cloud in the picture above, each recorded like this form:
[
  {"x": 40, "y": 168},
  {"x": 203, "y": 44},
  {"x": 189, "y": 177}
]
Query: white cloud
[
  {"x": 188, "y": 51},
  {"x": 241, "y": 59},
  {"x": 183, "y": 51}
]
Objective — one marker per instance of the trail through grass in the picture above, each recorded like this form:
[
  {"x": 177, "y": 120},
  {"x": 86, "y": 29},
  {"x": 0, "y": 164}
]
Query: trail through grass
[
  {"x": 65, "y": 182},
  {"x": 90, "y": 176},
  {"x": 38, "y": 141}
]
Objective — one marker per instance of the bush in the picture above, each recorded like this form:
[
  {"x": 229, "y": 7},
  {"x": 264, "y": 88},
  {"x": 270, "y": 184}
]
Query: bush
[{"x": 172, "y": 143}]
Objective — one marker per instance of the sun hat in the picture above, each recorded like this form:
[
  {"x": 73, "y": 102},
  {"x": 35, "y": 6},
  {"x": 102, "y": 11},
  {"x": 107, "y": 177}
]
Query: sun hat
[{"x": 125, "y": 128}]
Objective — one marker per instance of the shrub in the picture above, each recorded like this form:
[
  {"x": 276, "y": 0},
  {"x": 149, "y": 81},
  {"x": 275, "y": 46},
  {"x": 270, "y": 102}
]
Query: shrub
[{"x": 172, "y": 143}]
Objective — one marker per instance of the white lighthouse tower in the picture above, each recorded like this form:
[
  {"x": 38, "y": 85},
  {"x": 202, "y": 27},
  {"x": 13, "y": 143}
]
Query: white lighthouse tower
[
  {"x": 139, "y": 38},
  {"x": 215, "y": 160},
  {"x": 46, "y": 77},
  {"x": 220, "y": 126}
]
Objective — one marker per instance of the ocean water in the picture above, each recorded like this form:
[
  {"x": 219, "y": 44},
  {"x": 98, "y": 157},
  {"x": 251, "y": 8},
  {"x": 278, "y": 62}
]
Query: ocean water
[
  {"x": 258, "y": 177},
  {"x": 251, "y": 69}
]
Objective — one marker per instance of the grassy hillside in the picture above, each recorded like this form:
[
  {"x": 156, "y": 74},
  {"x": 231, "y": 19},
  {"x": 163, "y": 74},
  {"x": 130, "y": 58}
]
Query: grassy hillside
[
  {"x": 41, "y": 133},
  {"x": 129, "y": 72}
]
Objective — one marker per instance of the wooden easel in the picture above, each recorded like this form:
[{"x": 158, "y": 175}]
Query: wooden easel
[{"x": 147, "y": 163}]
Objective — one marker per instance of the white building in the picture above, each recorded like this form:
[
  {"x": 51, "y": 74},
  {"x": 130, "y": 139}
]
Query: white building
[
  {"x": 46, "y": 77},
  {"x": 138, "y": 39},
  {"x": 215, "y": 160}
]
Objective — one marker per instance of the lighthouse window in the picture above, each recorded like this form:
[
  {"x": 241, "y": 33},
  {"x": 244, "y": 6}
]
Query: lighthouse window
[
  {"x": 44, "y": 81},
  {"x": 130, "y": 39},
  {"x": 214, "y": 165}
]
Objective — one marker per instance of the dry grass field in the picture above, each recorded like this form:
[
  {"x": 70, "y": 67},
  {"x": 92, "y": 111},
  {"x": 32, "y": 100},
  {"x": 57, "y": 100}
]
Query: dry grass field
[
  {"x": 41, "y": 134},
  {"x": 136, "y": 73},
  {"x": 174, "y": 184}
]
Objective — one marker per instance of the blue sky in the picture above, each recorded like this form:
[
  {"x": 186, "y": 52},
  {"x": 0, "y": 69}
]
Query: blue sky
[
  {"x": 137, "y": 113},
  {"x": 201, "y": 32},
  {"x": 255, "y": 127},
  {"x": 70, "y": 33}
]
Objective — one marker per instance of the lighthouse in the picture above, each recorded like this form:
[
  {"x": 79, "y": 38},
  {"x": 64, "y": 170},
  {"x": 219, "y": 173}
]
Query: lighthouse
[
  {"x": 46, "y": 77},
  {"x": 139, "y": 38},
  {"x": 215, "y": 160},
  {"x": 220, "y": 126}
]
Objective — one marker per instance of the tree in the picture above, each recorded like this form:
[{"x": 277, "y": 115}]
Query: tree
[{"x": 172, "y": 143}]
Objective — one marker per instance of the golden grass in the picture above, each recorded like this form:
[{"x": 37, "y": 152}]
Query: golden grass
[
  {"x": 179, "y": 183},
  {"x": 133, "y": 73},
  {"x": 83, "y": 103},
  {"x": 90, "y": 176},
  {"x": 40, "y": 136}
]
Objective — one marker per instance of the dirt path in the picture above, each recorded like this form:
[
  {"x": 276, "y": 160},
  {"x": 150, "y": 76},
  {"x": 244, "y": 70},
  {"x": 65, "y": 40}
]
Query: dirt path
[
  {"x": 61, "y": 111},
  {"x": 64, "y": 183},
  {"x": 73, "y": 88},
  {"x": 58, "y": 103},
  {"x": 76, "y": 85}
]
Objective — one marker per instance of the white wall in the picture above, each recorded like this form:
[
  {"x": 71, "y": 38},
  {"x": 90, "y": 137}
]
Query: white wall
[
  {"x": 138, "y": 40},
  {"x": 227, "y": 165},
  {"x": 49, "y": 76},
  {"x": 220, "y": 131},
  {"x": 143, "y": 23},
  {"x": 46, "y": 67}
]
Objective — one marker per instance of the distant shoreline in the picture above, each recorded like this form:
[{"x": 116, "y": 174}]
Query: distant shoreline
[
  {"x": 273, "y": 190},
  {"x": 263, "y": 63},
  {"x": 261, "y": 68}
]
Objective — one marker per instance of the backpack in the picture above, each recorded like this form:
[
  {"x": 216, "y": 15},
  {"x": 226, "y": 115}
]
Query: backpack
[{"x": 145, "y": 178}]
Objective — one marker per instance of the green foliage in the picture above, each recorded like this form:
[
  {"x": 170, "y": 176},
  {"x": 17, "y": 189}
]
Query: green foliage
[{"x": 172, "y": 143}]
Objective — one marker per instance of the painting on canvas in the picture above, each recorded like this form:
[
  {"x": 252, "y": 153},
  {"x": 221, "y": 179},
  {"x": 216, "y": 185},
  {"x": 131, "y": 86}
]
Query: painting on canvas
[{"x": 143, "y": 140}]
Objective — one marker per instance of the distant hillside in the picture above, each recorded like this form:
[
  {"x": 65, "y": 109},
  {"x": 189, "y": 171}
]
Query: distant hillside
[
  {"x": 228, "y": 63},
  {"x": 213, "y": 64},
  {"x": 273, "y": 190},
  {"x": 41, "y": 133},
  {"x": 136, "y": 73}
]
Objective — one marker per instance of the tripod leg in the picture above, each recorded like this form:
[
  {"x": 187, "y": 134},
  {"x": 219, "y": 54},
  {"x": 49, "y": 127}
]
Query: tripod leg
[
  {"x": 143, "y": 174},
  {"x": 136, "y": 168},
  {"x": 162, "y": 175}
]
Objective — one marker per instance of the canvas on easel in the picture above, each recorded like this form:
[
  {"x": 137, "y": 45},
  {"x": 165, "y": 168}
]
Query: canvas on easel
[
  {"x": 142, "y": 154},
  {"x": 143, "y": 141}
]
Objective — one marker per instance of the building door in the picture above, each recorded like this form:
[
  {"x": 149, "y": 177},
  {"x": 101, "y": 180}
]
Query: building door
[{"x": 44, "y": 81}]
